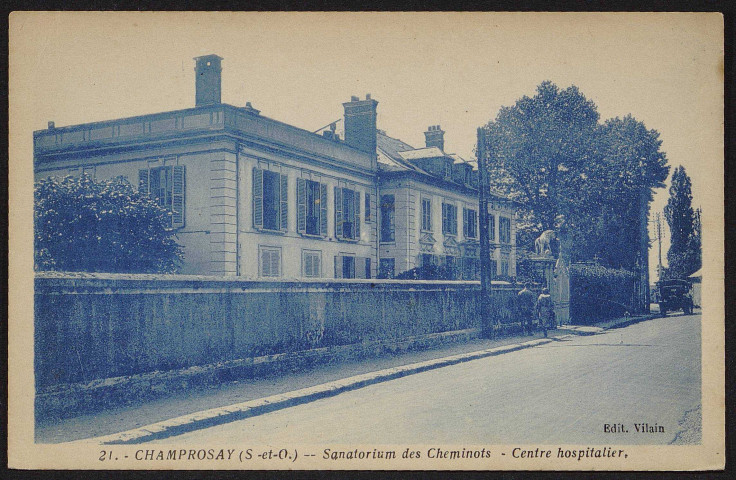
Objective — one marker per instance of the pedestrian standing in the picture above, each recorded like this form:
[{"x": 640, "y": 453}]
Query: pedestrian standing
[
  {"x": 526, "y": 302},
  {"x": 545, "y": 311}
]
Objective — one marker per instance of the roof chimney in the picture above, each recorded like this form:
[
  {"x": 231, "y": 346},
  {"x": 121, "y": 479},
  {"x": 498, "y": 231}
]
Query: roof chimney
[
  {"x": 209, "y": 80},
  {"x": 360, "y": 123},
  {"x": 435, "y": 137}
]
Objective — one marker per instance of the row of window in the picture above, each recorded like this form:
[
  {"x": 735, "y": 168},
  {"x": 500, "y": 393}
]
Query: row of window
[
  {"x": 346, "y": 265},
  {"x": 351, "y": 266},
  {"x": 470, "y": 222},
  {"x": 271, "y": 204}
]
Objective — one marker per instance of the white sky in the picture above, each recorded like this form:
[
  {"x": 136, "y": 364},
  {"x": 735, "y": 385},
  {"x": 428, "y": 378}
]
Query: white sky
[{"x": 455, "y": 70}]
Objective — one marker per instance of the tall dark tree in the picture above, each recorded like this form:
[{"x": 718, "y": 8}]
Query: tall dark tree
[
  {"x": 629, "y": 166},
  {"x": 82, "y": 225},
  {"x": 684, "y": 255}
]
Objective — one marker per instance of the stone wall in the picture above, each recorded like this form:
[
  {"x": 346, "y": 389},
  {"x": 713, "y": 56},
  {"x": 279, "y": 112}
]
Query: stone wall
[{"x": 95, "y": 326}]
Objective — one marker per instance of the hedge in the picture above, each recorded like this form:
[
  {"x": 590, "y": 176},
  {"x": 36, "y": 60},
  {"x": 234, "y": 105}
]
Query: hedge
[{"x": 598, "y": 292}]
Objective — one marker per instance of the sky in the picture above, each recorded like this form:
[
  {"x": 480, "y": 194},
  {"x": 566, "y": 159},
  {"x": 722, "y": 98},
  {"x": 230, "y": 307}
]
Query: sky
[{"x": 455, "y": 70}]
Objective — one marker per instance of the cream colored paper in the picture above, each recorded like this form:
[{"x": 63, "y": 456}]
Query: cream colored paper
[{"x": 455, "y": 69}]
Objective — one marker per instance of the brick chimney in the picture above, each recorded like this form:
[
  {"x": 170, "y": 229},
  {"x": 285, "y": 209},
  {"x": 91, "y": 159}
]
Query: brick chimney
[
  {"x": 435, "y": 137},
  {"x": 209, "y": 80},
  {"x": 360, "y": 123}
]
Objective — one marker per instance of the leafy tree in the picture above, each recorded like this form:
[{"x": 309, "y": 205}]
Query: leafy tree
[
  {"x": 538, "y": 148},
  {"x": 572, "y": 174},
  {"x": 684, "y": 255},
  {"x": 107, "y": 226}
]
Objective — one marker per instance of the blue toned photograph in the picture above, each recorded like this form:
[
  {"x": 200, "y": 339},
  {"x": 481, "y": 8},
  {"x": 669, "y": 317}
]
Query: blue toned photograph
[{"x": 387, "y": 244}]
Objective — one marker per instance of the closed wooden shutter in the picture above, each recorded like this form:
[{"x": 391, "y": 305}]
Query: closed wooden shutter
[
  {"x": 143, "y": 181},
  {"x": 367, "y": 214},
  {"x": 356, "y": 230},
  {"x": 338, "y": 213},
  {"x": 178, "y": 196},
  {"x": 338, "y": 266},
  {"x": 276, "y": 263},
  {"x": 466, "y": 222},
  {"x": 316, "y": 265},
  {"x": 257, "y": 197},
  {"x": 301, "y": 200},
  {"x": 360, "y": 267},
  {"x": 284, "y": 209},
  {"x": 367, "y": 267},
  {"x": 444, "y": 218},
  {"x": 323, "y": 209}
]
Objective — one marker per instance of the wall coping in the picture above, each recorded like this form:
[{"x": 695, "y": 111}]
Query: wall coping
[{"x": 57, "y": 282}]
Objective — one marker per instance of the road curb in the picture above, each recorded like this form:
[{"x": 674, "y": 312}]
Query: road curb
[{"x": 252, "y": 408}]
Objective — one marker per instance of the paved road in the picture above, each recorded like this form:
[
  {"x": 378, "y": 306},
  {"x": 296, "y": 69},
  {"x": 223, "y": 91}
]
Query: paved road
[{"x": 563, "y": 392}]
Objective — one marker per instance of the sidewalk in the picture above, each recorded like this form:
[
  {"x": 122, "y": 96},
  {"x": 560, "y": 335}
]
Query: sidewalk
[{"x": 289, "y": 388}]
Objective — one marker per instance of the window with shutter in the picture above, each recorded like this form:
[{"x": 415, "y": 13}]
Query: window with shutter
[
  {"x": 347, "y": 213},
  {"x": 449, "y": 219},
  {"x": 270, "y": 200},
  {"x": 470, "y": 229},
  {"x": 491, "y": 227},
  {"x": 311, "y": 261},
  {"x": 167, "y": 187},
  {"x": 504, "y": 229},
  {"x": 356, "y": 222},
  {"x": 269, "y": 261},
  {"x": 426, "y": 215},
  {"x": 348, "y": 266},
  {"x": 388, "y": 229}
]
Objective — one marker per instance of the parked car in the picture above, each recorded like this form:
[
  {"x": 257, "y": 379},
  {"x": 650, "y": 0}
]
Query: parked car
[{"x": 674, "y": 295}]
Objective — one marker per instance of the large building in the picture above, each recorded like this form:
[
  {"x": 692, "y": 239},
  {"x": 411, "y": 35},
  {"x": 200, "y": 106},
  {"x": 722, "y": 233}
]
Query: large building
[
  {"x": 429, "y": 211},
  {"x": 257, "y": 198}
]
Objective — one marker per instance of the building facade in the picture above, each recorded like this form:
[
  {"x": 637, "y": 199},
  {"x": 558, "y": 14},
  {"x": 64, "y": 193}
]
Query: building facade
[
  {"x": 429, "y": 212},
  {"x": 257, "y": 198}
]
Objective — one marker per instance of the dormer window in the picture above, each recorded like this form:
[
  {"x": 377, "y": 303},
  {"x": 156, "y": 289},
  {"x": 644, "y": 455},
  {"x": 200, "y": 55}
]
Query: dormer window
[{"x": 448, "y": 170}]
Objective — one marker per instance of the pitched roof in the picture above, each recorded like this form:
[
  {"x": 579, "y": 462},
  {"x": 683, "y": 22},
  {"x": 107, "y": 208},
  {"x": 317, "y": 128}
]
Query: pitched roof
[
  {"x": 389, "y": 154},
  {"x": 429, "y": 152}
]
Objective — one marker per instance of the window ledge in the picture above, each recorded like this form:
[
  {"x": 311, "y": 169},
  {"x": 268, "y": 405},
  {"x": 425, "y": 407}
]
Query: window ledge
[
  {"x": 347, "y": 240},
  {"x": 270, "y": 232},
  {"x": 312, "y": 236}
]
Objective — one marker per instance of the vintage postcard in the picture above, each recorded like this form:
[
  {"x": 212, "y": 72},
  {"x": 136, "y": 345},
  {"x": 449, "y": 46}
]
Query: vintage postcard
[{"x": 394, "y": 241}]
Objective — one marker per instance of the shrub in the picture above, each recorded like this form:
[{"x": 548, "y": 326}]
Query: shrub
[{"x": 83, "y": 225}]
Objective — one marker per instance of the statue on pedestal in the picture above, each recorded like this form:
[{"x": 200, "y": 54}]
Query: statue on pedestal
[{"x": 543, "y": 245}]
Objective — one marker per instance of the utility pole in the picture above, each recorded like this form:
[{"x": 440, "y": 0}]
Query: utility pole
[
  {"x": 485, "y": 252},
  {"x": 658, "y": 224},
  {"x": 644, "y": 241}
]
